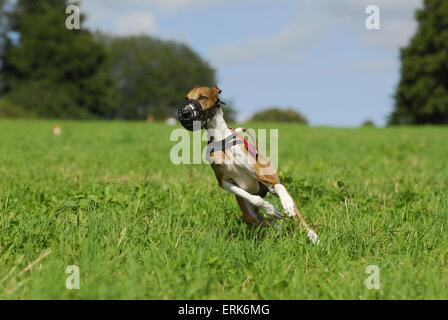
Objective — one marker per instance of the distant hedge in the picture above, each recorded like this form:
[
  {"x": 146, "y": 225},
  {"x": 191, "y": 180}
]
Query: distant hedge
[
  {"x": 10, "y": 110},
  {"x": 279, "y": 115}
]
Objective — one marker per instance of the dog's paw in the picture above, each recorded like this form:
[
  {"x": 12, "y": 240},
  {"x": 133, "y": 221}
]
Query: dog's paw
[
  {"x": 286, "y": 200},
  {"x": 271, "y": 210},
  {"x": 288, "y": 205}
]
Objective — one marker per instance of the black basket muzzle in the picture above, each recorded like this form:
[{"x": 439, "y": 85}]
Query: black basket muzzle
[{"x": 193, "y": 117}]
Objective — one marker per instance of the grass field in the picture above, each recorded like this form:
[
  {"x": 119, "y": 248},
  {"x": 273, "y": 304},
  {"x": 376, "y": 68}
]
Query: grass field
[{"x": 105, "y": 197}]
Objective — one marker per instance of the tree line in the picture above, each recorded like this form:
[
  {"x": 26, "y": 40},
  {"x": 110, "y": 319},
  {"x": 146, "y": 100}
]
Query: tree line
[{"x": 49, "y": 71}]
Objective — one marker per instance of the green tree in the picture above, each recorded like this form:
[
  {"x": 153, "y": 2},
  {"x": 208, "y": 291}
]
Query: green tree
[
  {"x": 422, "y": 94},
  {"x": 3, "y": 35},
  {"x": 279, "y": 115},
  {"x": 3, "y": 24},
  {"x": 52, "y": 71},
  {"x": 152, "y": 75}
]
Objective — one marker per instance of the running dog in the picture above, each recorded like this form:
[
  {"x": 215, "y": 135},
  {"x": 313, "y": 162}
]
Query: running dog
[{"x": 237, "y": 164}]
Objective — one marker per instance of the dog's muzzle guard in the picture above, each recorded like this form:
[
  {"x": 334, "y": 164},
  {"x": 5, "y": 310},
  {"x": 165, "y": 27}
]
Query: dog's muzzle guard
[{"x": 191, "y": 111}]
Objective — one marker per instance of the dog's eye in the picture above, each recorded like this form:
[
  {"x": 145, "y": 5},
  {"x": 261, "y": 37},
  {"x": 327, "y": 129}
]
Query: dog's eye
[{"x": 202, "y": 97}]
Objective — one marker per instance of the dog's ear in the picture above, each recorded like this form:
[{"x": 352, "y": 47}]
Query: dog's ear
[{"x": 215, "y": 87}]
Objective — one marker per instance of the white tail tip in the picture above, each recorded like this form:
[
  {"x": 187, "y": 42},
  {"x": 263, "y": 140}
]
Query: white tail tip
[{"x": 313, "y": 236}]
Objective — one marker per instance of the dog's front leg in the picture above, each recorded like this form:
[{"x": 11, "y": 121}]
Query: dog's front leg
[
  {"x": 292, "y": 210},
  {"x": 286, "y": 199},
  {"x": 257, "y": 201}
]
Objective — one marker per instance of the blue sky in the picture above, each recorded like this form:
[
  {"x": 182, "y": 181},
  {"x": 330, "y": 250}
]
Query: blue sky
[{"x": 316, "y": 56}]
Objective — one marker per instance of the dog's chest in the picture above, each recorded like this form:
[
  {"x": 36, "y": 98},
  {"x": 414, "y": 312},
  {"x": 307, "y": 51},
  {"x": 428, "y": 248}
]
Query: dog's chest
[
  {"x": 242, "y": 178},
  {"x": 230, "y": 166}
]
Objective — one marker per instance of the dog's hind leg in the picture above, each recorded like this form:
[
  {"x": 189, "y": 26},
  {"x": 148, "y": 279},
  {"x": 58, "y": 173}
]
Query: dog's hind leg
[
  {"x": 251, "y": 215},
  {"x": 254, "y": 200},
  {"x": 292, "y": 210}
]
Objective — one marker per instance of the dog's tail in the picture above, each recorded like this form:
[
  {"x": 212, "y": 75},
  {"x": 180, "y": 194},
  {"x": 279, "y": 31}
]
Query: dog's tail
[{"x": 309, "y": 232}]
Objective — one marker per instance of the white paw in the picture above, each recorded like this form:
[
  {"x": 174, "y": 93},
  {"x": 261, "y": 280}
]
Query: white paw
[
  {"x": 271, "y": 210},
  {"x": 286, "y": 200},
  {"x": 288, "y": 205},
  {"x": 313, "y": 236}
]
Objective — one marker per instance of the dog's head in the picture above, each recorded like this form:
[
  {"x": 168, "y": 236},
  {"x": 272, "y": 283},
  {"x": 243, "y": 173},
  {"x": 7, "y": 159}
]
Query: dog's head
[
  {"x": 200, "y": 106},
  {"x": 208, "y": 97}
]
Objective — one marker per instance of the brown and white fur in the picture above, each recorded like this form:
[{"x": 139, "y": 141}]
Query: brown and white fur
[{"x": 250, "y": 183}]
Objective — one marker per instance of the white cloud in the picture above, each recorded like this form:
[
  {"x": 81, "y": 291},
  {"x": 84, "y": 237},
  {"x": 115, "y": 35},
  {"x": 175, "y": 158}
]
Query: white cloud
[
  {"x": 397, "y": 26},
  {"x": 396, "y": 17},
  {"x": 165, "y": 5},
  {"x": 134, "y": 16},
  {"x": 119, "y": 17},
  {"x": 393, "y": 34},
  {"x": 134, "y": 23},
  {"x": 282, "y": 46},
  {"x": 174, "y": 5},
  {"x": 391, "y": 7}
]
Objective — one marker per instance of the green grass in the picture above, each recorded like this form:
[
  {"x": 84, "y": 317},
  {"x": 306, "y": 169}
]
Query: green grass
[{"x": 105, "y": 197}]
